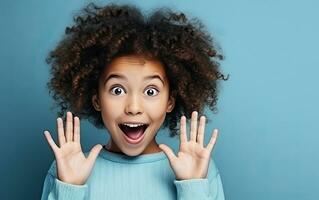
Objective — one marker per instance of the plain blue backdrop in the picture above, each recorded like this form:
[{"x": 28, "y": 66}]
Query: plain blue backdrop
[{"x": 268, "y": 112}]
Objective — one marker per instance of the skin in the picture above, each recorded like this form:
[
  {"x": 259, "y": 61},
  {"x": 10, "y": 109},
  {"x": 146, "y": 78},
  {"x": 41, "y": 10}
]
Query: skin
[
  {"x": 135, "y": 101},
  {"x": 132, "y": 104}
]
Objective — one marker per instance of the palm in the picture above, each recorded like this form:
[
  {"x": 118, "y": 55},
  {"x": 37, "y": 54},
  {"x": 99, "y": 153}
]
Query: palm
[
  {"x": 192, "y": 160},
  {"x": 71, "y": 162},
  {"x": 72, "y": 165}
]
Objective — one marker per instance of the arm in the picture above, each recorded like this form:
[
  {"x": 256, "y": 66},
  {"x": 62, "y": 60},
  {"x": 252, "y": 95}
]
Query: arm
[
  {"x": 210, "y": 188},
  {"x": 67, "y": 176},
  {"x": 54, "y": 189},
  {"x": 195, "y": 177}
]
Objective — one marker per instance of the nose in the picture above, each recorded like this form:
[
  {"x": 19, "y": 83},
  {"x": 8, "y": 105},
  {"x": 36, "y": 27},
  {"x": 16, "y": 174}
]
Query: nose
[{"x": 133, "y": 105}]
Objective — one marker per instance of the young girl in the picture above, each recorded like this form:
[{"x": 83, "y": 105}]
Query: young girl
[{"x": 134, "y": 75}]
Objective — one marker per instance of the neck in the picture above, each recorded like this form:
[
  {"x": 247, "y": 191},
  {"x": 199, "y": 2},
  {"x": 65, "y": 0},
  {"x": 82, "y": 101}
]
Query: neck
[{"x": 151, "y": 148}]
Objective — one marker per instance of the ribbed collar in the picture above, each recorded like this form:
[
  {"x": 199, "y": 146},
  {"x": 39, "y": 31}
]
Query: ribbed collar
[{"x": 122, "y": 158}]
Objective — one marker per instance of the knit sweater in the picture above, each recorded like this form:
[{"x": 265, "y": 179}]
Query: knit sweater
[{"x": 147, "y": 176}]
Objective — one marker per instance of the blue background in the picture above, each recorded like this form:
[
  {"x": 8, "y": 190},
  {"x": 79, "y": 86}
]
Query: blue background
[{"x": 268, "y": 115}]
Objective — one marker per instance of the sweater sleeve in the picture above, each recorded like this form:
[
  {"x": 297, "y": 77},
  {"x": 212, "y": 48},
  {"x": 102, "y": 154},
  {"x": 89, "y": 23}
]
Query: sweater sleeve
[
  {"x": 210, "y": 188},
  {"x": 54, "y": 189}
]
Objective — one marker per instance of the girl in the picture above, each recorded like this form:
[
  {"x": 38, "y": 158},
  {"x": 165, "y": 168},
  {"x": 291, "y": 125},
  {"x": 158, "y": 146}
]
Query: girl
[{"x": 134, "y": 75}]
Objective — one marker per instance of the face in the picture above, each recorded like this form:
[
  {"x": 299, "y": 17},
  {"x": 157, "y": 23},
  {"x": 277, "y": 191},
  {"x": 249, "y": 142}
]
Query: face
[{"x": 133, "y": 99}]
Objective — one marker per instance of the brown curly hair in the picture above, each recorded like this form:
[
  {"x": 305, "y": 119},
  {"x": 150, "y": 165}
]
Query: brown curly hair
[{"x": 100, "y": 34}]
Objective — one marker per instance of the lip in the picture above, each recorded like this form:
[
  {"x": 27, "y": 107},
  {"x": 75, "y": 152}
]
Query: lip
[
  {"x": 130, "y": 140},
  {"x": 133, "y": 123}
]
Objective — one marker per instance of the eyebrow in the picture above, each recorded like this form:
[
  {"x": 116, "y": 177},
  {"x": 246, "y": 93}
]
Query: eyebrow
[{"x": 123, "y": 77}]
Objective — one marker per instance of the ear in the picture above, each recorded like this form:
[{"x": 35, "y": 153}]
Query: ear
[
  {"x": 96, "y": 103},
  {"x": 170, "y": 104}
]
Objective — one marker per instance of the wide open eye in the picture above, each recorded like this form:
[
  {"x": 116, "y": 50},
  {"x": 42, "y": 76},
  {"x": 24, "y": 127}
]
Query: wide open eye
[
  {"x": 117, "y": 90},
  {"x": 151, "y": 92}
]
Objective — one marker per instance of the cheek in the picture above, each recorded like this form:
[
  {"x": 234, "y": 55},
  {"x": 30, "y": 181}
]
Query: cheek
[
  {"x": 156, "y": 110},
  {"x": 110, "y": 110}
]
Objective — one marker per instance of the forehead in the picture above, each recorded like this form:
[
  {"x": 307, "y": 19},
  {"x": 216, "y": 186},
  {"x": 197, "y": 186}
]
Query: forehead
[{"x": 136, "y": 65}]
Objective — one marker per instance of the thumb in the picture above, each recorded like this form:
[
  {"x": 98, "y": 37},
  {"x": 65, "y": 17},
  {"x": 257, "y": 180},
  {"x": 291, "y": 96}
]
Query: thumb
[
  {"x": 94, "y": 153},
  {"x": 168, "y": 151}
]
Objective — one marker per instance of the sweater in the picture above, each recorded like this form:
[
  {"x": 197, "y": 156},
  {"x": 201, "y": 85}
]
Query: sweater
[{"x": 147, "y": 176}]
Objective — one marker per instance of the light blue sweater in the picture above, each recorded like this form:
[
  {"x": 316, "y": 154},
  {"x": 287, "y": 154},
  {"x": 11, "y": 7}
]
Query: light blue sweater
[{"x": 120, "y": 177}]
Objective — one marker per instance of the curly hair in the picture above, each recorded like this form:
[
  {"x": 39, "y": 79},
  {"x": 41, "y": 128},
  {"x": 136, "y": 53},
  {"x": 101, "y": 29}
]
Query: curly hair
[{"x": 100, "y": 34}]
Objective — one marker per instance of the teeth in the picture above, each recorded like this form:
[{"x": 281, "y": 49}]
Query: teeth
[{"x": 133, "y": 125}]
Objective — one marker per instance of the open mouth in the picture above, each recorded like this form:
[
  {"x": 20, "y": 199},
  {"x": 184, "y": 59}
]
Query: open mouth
[{"x": 133, "y": 131}]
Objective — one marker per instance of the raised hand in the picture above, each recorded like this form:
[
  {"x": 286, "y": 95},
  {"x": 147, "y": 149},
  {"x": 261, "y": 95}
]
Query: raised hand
[
  {"x": 72, "y": 165},
  {"x": 193, "y": 158}
]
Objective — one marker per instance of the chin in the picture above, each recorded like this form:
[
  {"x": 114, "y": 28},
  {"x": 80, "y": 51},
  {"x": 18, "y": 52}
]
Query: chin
[{"x": 133, "y": 153}]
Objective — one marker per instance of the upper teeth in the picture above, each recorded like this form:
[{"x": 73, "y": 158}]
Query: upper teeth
[{"x": 133, "y": 125}]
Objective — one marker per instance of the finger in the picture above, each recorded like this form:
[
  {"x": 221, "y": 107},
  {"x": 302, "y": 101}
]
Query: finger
[
  {"x": 194, "y": 126},
  {"x": 94, "y": 153},
  {"x": 51, "y": 142},
  {"x": 212, "y": 141},
  {"x": 182, "y": 135},
  {"x": 201, "y": 130},
  {"x": 69, "y": 127},
  {"x": 60, "y": 128},
  {"x": 168, "y": 151},
  {"x": 76, "y": 129}
]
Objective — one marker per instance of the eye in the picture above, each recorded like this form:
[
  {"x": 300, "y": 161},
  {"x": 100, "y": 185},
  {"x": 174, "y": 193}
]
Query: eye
[
  {"x": 116, "y": 90},
  {"x": 151, "y": 92}
]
